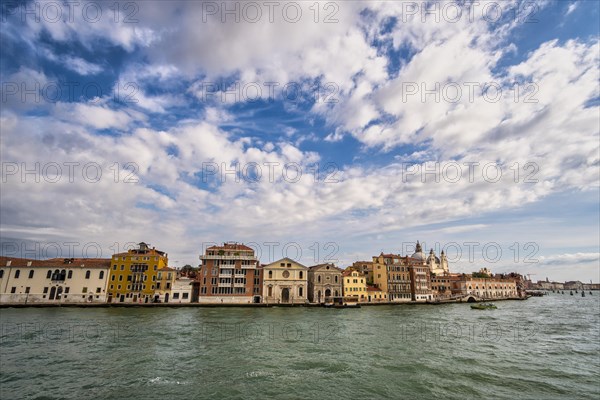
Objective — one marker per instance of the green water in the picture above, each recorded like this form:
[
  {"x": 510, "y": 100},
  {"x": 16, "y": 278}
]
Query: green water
[{"x": 542, "y": 348}]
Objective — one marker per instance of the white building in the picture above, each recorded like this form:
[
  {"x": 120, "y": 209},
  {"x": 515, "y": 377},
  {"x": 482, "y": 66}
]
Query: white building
[
  {"x": 182, "y": 290},
  {"x": 285, "y": 281},
  {"x": 58, "y": 280}
]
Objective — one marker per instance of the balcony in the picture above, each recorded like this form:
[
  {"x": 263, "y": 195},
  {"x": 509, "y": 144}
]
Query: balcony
[
  {"x": 240, "y": 276},
  {"x": 239, "y": 284},
  {"x": 224, "y": 284},
  {"x": 225, "y": 276},
  {"x": 251, "y": 266}
]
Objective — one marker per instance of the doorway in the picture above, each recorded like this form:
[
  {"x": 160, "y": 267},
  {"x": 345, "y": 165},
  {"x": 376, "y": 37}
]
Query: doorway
[{"x": 285, "y": 295}]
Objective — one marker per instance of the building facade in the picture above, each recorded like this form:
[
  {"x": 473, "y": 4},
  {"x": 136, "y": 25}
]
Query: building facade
[
  {"x": 285, "y": 281},
  {"x": 324, "y": 283},
  {"x": 486, "y": 288},
  {"x": 182, "y": 290},
  {"x": 229, "y": 274},
  {"x": 391, "y": 274},
  {"x": 134, "y": 274},
  {"x": 355, "y": 285},
  {"x": 366, "y": 267},
  {"x": 58, "y": 280},
  {"x": 165, "y": 280}
]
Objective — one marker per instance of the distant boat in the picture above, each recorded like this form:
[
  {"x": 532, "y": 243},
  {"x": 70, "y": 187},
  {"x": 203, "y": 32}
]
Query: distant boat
[
  {"x": 571, "y": 293},
  {"x": 482, "y": 306},
  {"x": 582, "y": 293}
]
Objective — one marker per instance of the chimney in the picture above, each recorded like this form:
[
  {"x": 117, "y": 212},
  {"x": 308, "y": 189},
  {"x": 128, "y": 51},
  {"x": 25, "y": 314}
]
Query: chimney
[
  {"x": 8, "y": 263},
  {"x": 29, "y": 263}
]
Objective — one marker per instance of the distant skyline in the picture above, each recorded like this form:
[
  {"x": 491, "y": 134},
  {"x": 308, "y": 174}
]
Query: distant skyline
[{"x": 359, "y": 126}]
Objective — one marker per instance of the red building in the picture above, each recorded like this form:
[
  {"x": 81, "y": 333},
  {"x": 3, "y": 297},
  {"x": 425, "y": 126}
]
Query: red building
[{"x": 229, "y": 274}]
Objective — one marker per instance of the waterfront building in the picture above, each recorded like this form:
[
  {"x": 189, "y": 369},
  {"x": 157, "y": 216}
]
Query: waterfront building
[
  {"x": 420, "y": 281},
  {"x": 375, "y": 295},
  {"x": 164, "y": 284},
  {"x": 391, "y": 273},
  {"x": 285, "y": 281},
  {"x": 134, "y": 274},
  {"x": 441, "y": 286},
  {"x": 487, "y": 288},
  {"x": 324, "y": 283},
  {"x": 354, "y": 285},
  {"x": 182, "y": 290},
  {"x": 57, "y": 280},
  {"x": 229, "y": 274}
]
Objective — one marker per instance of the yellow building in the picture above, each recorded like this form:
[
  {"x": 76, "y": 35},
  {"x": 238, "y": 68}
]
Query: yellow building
[
  {"x": 380, "y": 272},
  {"x": 164, "y": 284},
  {"x": 354, "y": 285},
  {"x": 134, "y": 274}
]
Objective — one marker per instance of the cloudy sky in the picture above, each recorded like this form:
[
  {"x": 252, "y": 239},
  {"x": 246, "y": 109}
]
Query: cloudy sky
[{"x": 322, "y": 131}]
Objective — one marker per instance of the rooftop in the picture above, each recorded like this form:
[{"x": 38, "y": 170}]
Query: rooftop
[{"x": 54, "y": 262}]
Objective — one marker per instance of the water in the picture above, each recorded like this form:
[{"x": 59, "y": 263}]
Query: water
[{"x": 545, "y": 347}]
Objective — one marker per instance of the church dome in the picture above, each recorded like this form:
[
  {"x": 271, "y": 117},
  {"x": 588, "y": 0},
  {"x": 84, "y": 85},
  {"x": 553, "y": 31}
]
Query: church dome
[
  {"x": 418, "y": 254},
  {"x": 433, "y": 257}
]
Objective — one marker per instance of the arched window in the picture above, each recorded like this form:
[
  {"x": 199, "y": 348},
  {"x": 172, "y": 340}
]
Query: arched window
[
  {"x": 70, "y": 274},
  {"x": 31, "y": 274},
  {"x": 300, "y": 290},
  {"x": 102, "y": 275},
  {"x": 319, "y": 278},
  {"x": 87, "y": 274},
  {"x": 63, "y": 275},
  {"x": 17, "y": 273},
  {"x": 336, "y": 280},
  {"x": 49, "y": 274}
]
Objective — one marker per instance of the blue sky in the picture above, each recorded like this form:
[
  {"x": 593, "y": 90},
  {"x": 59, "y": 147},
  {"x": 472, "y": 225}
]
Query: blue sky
[{"x": 344, "y": 135}]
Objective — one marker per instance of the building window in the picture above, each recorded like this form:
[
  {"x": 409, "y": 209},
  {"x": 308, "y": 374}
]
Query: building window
[
  {"x": 270, "y": 274},
  {"x": 118, "y": 287},
  {"x": 175, "y": 296},
  {"x": 101, "y": 275},
  {"x": 70, "y": 274},
  {"x": 185, "y": 295},
  {"x": 98, "y": 290},
  {"x": 122, "y": 267},
  {"x": 27, "y": 289},
  {"x": 1, "y": 273},
  {"x": 13, "y": 289},
  {"x": 17, "y": 273},
  {"x": 319, "y": 278},
  {"x": 300, "y": 291},
  {"x": 114, "y": 267},
  {"x": 67, "y": 289},
  {"x": 301, "y": 274},
  {"x": 49, "y": 274},
  {"x": 45, "y": 290},
  {"x": 30, "y": 275},
  {"x": 120, "y": 278},
  {"x": 84, "y": 290},
  {"x": 87, "y": 274},
  {"x": 336, "y": 279}
]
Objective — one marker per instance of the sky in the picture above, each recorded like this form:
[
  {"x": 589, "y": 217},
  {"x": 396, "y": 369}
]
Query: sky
[{"x": 321, "y": 131}]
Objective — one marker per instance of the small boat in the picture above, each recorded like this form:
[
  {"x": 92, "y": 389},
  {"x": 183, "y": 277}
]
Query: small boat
[
  {"x": 484, "y": 306},
  {"x": 582, "y": 293},
  {"x": 571, "y": 293}
]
